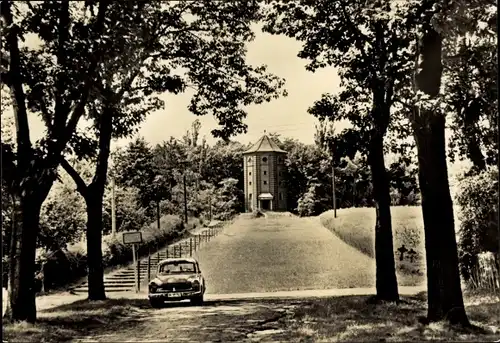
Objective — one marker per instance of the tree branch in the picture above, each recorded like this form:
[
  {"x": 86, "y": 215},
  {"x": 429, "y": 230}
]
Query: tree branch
[
  {"x": 79, "y": 108},
  {"x": 128, "y": 83},
  {"x": 46, "y": 116},
  {"x": 404, "y": 104},
  {"x": 19, "y": 97},
  {"x": 60, "y": 114},
  {"x": 364, "y": 39},
  {"x": 105, "y": 132},
  {"x": 389, "y": 92},
  {"x": 81, "y": 187}
]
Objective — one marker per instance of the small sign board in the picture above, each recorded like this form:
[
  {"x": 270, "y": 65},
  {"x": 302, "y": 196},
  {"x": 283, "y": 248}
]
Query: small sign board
[{"x": 134, "y": 237}]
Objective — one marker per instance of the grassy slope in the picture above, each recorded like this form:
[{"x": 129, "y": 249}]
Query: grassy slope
[
  {"x": 355, "y": 226},
  {"x": 281, "y": 253}
]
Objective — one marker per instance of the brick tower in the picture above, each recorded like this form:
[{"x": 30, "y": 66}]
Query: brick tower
[{"x": 264, "y": 163}]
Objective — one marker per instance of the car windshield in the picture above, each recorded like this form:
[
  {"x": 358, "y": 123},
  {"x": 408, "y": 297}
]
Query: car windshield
[{"x": 177, "y": 267}]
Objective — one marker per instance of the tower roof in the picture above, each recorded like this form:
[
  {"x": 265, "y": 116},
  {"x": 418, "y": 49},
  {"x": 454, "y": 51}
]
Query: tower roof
[{"x": 265, "y": 144}]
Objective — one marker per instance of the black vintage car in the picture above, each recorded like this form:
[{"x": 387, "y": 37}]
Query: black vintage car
[{"x": 177, "y": 279}]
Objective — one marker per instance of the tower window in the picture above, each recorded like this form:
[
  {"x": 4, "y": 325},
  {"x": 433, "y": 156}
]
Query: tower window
[
  {"x": 249, "y": 173},
  {"x": 250, "y": 196},
  {"x": 250, "y": 183},
  {"x": 265, "y": 172},
  {"x": 265, "y": 182},
  {"x": 281, "y": 196},
  {"x": 264, "y": 159}
]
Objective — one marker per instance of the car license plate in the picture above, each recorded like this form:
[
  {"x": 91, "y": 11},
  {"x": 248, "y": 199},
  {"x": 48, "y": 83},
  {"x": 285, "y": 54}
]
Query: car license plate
[{"x": 174, "y": 295}]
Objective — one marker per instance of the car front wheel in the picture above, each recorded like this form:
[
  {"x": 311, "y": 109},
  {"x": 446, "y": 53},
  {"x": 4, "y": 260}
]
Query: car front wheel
[
  {"x": 156, "y": 303},
  {"x": 198, "y": 300}
]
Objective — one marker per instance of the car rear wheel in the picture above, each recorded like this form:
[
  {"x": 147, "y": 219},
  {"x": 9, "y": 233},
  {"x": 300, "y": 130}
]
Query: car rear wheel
[
  {"x": 156, "y": 303},
  {"x": 198, "y": 300}
]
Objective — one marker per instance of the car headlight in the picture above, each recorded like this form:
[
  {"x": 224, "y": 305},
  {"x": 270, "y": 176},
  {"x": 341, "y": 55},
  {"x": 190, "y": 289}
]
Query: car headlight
[
  {"x": 195, "y": 284},
  {"x": 153, "y": 287}
]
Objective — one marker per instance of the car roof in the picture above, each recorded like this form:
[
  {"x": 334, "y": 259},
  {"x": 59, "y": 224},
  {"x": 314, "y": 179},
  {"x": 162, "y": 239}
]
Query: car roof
[{"x": 178, "y": 259}]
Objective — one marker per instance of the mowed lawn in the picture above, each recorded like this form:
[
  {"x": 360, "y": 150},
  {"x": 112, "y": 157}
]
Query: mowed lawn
[
  {"x": 356, "y": 227},
  {"x": 281, "y": 253}
]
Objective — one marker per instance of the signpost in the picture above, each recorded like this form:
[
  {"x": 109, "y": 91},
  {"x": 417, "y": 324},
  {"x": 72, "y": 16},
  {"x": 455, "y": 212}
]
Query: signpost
[{"x": 134, "y": 238}]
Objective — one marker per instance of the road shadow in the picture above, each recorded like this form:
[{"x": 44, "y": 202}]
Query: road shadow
[
  {"x": 341, "y": 318},
  {"x": 143, "y": 304}
]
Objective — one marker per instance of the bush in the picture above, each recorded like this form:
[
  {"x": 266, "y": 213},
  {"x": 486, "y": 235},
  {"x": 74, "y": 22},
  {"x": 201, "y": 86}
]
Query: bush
[
  {"x": 257, "y": 214},
  {"x": 486, "y": 273},
  {"x": 477, "y": 197},
  {"x": 313, "y": 202}
]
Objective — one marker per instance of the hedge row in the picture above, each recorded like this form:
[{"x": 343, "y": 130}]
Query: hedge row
[{"x": 67, "y": 266}]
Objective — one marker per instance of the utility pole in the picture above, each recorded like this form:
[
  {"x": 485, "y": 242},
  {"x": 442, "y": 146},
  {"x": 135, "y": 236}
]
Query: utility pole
[
  {"x": 333, "y": 190},
  {"x": 185, "y": 199},
  {"x": 158, "y": 214},
  {"x": 210, "y": 208},
  {"x": 113, "y": 209}
]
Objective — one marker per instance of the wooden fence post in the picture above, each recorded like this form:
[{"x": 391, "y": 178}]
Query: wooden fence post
[
  {"x": 138, "y": 275},
  {"x": 166, "y": 251},
  {"x": 149, "y": 268},
  {"x": 190, "y": 247},
  {"x": 180, "y": 250}
]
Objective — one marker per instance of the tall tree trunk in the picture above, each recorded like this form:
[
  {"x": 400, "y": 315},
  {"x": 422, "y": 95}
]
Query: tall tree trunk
[
  {"x": 444, "y": 293},
  {"x": 386, "y": 281},
  {"x": 94, "y": 246},
  {"x": 21, "y": 306},
  {"x": 94, "y": 200},
  {"x": 443, "y": 279}
]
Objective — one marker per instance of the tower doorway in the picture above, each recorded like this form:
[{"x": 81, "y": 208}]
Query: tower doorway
[{"x": 265, "y": 205}]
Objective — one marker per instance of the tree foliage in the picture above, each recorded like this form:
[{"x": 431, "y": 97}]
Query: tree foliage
[
  {"x": 136, "y": 167},
  {"x": 62, "y": 219},
  {"x": 471, "y": 94}
]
